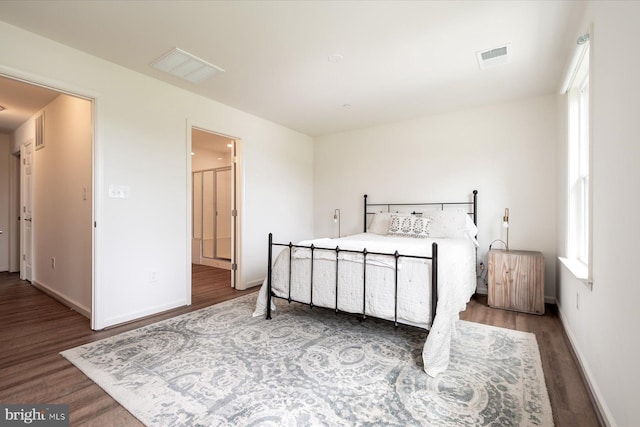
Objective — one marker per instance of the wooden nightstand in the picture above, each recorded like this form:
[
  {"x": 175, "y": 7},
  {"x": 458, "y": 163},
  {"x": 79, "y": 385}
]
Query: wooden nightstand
[{"x": 516, "y": 280}]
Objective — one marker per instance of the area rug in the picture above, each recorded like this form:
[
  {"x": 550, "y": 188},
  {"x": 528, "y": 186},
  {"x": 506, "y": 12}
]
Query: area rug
[{"x": 310, "y": 367}]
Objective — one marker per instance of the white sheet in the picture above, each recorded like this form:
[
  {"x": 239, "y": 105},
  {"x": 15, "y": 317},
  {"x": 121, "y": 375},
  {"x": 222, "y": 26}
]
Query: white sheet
[{"x": 456, "y": 283}]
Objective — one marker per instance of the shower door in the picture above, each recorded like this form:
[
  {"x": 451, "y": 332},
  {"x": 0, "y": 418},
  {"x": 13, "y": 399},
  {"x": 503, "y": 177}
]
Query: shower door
[
  {"x": 212, "y": 213},
  {"x": 223, "y": 214}
]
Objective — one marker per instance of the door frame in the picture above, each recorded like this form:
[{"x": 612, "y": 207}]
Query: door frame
[
  {"x": 237, "y": 204},
  {"x": 27, "y": 149},
  {"x": 96, "y": 167},
  {"x": 15, "y": 169}
]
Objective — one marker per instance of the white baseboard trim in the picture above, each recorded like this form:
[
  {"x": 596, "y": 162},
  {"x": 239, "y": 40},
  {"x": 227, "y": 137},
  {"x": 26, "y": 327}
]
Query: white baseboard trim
[
  {"x": 217, "y": 263},
  {"x": 255, "y": 283},
  {"x": 138, "y": 315},
  {"x": 85, "y": 311},
  {"x": 602, "y": 410}
]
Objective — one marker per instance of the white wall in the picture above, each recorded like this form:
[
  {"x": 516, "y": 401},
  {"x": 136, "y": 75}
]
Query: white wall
[
  {"x": 5, "y": 157},
  {"x": 140, "y": 138},
  {"x": 604, "y": 329},
  {"x": 506, "y": 151}
]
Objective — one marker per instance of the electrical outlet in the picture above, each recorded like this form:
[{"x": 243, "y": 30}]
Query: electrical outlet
[
  {"x": 153, "y": 277},
  {"x": 480, "y": 270}
]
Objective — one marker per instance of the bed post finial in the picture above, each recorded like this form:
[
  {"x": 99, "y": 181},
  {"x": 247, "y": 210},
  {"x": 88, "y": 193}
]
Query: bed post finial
[
  {"x": 365, "y": 213},
  {"x": 475, "y": 207}
]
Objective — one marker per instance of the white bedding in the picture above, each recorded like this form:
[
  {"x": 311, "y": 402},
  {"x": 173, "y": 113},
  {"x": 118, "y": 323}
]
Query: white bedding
[{"x": 456, "y": 283}]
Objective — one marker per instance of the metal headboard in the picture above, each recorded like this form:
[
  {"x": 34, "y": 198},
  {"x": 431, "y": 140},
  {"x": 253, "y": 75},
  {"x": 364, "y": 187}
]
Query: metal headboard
[{"x": 473, "y": 205}]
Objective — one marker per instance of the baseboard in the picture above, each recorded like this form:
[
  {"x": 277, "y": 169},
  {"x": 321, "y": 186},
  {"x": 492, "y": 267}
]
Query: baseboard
[
  {"x": 217, "y": 263},
  {"x": 602, "y": 410},
  {"x": 63, "y": 299},
  {"x": 138, "y": 315},
  {"x": 255, "y": 283}
]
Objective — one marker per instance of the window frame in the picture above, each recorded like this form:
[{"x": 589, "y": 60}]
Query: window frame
[{"x": 579, "y": 198}]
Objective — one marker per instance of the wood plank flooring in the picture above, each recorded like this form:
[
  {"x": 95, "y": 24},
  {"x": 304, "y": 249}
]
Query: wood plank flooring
[{"x": 34, "y": 328}]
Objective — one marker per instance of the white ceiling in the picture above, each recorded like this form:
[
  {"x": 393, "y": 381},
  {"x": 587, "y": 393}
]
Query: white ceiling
[
  {"x": 401, "y": 59},
  {"x": 204, "y": 141},
  {"x": 22, "y": 101}
]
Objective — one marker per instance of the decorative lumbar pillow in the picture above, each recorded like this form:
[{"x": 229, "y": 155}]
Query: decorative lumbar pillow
[
  {"x": 381, "y": 220},
  {"x": 409, "y": 226}
]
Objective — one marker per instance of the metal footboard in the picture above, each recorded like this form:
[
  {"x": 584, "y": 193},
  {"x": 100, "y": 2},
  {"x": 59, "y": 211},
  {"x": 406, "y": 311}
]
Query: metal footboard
[{"x": 364, "y": 253}]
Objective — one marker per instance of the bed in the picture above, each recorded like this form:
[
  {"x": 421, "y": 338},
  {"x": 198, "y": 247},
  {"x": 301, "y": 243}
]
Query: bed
[{"x": 413, "y": 264}]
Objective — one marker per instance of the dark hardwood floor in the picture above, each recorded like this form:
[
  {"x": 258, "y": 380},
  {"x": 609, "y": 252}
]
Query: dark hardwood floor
[{"x": 34, "y": 328}]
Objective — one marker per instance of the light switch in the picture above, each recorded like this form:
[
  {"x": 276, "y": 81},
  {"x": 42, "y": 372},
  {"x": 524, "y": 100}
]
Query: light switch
[{"x": 118, "y": 191}]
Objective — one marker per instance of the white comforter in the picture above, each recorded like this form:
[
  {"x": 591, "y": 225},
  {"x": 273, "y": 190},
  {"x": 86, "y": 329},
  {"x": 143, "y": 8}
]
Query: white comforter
[{"x": 456, "y": 284}]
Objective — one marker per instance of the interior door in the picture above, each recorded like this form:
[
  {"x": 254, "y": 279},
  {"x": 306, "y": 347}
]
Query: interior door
[
  {"x": 234, "y": 215},
  {"x": 26, "y": 241},
  {"x": 223, "y": 214},
  {"x": 208, "y": 214},
  {"x": 196, "y": 240}
]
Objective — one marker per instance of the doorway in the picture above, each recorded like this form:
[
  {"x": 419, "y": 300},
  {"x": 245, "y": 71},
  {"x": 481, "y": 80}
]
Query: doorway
[
  {"x": 51, "y": 207},
  {"x": 213, "y": 207}
]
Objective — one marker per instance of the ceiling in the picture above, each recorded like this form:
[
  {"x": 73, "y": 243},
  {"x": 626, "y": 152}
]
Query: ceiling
[
  {"x": 204, "y": 141},
  {"x": 400, "y": 60},
  {"x": 22, "y": 101}
]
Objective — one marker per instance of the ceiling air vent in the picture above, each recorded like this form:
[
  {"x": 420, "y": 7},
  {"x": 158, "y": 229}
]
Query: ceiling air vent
[
  {"x": 186, "y": 66},
  {"x": 492, "y": 57}
]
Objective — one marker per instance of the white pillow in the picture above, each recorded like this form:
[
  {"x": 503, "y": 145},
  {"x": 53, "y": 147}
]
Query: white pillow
[
  {"x": 452, "y": 224},
  {"x": 380, "y": 223},
  {"x": 409, "y": 226}
]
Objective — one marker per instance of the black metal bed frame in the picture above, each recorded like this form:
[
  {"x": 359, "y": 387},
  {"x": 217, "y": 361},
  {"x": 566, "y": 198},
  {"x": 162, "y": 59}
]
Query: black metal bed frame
[
  {"x": 364, "y": 253},
  {"x": 473, "y": 204}
]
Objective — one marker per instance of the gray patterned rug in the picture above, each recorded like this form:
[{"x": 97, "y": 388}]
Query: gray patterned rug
[{"x": 309, "y": 367}]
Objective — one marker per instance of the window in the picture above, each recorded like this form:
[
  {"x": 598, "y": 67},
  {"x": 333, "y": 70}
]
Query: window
[{"x": 579, "y": 224}]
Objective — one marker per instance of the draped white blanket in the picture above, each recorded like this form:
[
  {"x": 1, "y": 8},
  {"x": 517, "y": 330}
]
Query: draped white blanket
[{"x": 456, "y": 283}]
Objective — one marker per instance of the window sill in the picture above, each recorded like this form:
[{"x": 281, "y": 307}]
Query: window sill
[{"x": 578, "y": 269}]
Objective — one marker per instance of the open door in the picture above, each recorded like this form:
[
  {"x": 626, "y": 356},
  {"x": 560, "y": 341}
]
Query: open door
[
  {"x": 234, "y": 215},
  {"x": 26, "y": 230}
]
